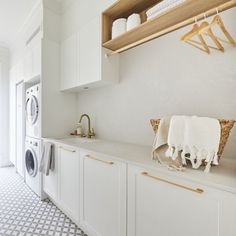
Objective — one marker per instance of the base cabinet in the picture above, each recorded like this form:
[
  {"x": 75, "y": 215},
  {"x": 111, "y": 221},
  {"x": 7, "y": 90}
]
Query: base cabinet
[
  {"x": 69, "y": 181},
  {"x": 163, "y": 208},
  {"x": 107, "y": 197},
  {"x": 102, "y": 195},
  {"x": 50, "y": 182},
  {"x": 159, "y": 208}
]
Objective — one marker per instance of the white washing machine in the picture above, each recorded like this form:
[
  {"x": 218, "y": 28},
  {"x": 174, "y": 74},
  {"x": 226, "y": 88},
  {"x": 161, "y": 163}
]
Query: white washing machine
[
  {"x": 33, "y": 106},
  {"x": 33, "y": 177}
]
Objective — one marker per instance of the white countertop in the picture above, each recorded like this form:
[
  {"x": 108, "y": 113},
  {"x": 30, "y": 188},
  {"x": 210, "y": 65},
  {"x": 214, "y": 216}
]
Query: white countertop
[{"x": 222, "y": 177}]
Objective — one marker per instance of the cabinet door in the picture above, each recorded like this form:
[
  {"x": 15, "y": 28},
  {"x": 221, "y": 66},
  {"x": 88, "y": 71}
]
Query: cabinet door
[
  {"x": 28, "y": 64},
  {"x": 69, "y": 181},
  {"x": 102, "y": 195},
  {"x": 162, "y": 208},
  {"x": 69, "y": 63},
  {"x": 89, "y": 62},
  {"x": 228, "y": 215},
  {"x": 36, "y": 59},
  {"x": 50, "y": 182},
  {"x": 20, "y": 71}
]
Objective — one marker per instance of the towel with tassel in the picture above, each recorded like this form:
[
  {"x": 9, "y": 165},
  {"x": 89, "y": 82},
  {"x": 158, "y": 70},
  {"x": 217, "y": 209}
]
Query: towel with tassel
[
  {"x": 197, "y": 138},
  {"x": 202, "y": 138}
]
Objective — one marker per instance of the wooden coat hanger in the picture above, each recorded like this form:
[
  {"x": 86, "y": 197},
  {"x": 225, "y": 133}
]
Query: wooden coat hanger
[
  {"x": 218, "y": 21},
  {"x": 205, "y": 25},
  {"x": 187, "y": 38}
]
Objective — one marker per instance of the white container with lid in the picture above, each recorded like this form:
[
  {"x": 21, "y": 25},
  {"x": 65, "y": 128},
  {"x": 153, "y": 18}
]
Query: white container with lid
[
  {"x": 133, "y": 21},
  {"x": 118, "y": 27}
]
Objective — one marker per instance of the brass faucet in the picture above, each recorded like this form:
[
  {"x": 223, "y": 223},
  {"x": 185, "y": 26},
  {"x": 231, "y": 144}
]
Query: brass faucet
[{"x": 90, "y": 132}]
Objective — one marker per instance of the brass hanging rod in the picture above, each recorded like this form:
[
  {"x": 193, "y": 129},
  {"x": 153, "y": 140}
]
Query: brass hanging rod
[{"x": 180, "y": 25}]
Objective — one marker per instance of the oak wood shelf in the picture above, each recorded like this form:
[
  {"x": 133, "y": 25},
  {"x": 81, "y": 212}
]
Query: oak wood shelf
[{"x": 169, "y": 21}]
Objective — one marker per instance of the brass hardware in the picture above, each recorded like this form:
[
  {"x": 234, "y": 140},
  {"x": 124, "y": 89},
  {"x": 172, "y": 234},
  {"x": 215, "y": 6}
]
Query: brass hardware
[
  {"x": 66, "y": 149},
  {"x": 91, "y": 133},
  {"x": 96, "y": 159},
  {"x": 197, "y": 190}
]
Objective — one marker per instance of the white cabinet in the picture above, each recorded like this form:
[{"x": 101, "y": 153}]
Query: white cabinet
[
  {"x": 32, "y": 60},
  {"x": 20, "y": 71},
  {"x": 36, "y": 59},
  {"x": 102, "y": 195},
  {"x": 166, "y": 209},
  {"x": 69, "y": 181},
  {"x": 227, "y": 214},
  {"x": 90, "y": 52},
  {"x": 83, "y": 60},
  {"x": 28, "y": 64},
  {"x": 50, "y": 182},
  {"x": 69, "y": 63},
  {"x": 95, "y": 69}
]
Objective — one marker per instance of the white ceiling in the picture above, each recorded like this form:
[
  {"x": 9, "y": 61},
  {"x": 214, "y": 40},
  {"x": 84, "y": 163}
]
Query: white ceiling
[{"x": 13, "y": 14}]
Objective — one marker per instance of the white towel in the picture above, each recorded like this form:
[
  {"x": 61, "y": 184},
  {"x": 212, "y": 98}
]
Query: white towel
[
  {"x": 162, "y": 7},
  {"x": 202, "y": 138},
  {"x": 199, "y": 137},
  {"x": 160, "y": 146},
  {"x": 47, "y": 160},
  {"x": 176, "y": 136},
  {"x": 166, "y": 4}
]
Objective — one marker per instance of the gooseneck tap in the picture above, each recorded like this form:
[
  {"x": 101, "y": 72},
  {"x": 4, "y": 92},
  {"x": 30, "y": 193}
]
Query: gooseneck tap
[{"x": 90, "y": 133}]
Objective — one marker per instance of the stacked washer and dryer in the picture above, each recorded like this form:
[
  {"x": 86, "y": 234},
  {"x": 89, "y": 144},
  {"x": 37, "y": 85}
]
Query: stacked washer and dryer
[{"x": 33, "y": 177}]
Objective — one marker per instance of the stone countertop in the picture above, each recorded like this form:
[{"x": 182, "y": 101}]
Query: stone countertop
[{"x": 222, "y": 177}]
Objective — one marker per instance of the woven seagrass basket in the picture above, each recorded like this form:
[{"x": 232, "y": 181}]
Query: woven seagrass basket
[{"x": 226, "y": 127}]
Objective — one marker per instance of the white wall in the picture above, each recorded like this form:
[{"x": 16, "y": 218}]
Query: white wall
[
  {"x": 4, "y": 106},
  {"x": 161, "y": 78}
]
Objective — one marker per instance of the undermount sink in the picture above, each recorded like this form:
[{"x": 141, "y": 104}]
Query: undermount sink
[{"x": 79, "y": 140}]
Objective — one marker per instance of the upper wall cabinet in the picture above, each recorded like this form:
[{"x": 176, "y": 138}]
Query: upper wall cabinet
[
  {"x": 32, "y": 60},
  {"x": 68, "y": 63},
  {"x": 93, "y": 68}
]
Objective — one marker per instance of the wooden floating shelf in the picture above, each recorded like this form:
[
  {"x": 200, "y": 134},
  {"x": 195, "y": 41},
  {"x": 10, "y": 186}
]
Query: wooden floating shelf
[{"x": 169, "y": 21}]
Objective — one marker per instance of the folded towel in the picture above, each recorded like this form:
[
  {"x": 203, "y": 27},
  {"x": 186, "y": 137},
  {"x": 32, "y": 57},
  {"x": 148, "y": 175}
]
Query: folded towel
[
  {"x": 47, "y": 162},
  {"x": 166, "y": 4},
  {"x": 197, "y": 137},
  {"x": 161, "y": 8}
]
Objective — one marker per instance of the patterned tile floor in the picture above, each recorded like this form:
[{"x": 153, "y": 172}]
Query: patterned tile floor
[{"x": 23, "y": 214}]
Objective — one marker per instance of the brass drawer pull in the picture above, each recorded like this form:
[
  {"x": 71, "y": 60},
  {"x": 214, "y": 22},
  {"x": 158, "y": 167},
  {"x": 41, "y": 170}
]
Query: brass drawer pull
[
  {"x": 66, "y": 149},
  {"x": 197, "y": 190},
  {"x": 96, "y": 159}
]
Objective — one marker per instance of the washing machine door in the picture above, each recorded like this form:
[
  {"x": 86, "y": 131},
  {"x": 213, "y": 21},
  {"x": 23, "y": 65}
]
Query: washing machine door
[
  {"x": 31, "y": 162},
  {"x": 32, "y": 110}
]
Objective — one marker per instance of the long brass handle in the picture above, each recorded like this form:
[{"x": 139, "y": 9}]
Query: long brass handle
[
  {"x": 197, "y": 190},
  {"x": 96, "y": 159},
  {"x": 66, "y": 149}
]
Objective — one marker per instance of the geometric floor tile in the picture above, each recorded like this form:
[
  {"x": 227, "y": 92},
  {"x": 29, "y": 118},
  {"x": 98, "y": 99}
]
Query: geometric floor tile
[{"x": 22, "y": 213}]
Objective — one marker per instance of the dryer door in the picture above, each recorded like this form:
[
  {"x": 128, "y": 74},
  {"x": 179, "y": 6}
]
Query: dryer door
[
  {"x": 32, "y": 110},
  {"x": 31, "y": 162}
]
